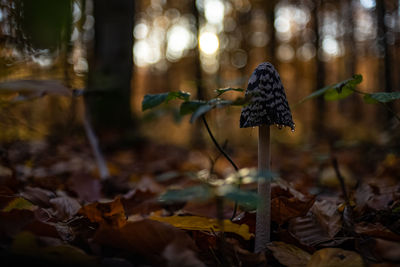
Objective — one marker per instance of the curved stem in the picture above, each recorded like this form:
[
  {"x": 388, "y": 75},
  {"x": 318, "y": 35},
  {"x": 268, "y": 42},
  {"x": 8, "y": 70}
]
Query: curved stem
[
  {"x": 217, "y": 145},
  {"x": 225, "y": 155}
]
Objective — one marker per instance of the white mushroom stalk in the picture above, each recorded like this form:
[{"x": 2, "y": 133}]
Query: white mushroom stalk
[{"x": 268, "y": 106}]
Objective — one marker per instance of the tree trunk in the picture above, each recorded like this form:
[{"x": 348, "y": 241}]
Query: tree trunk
[
  {"x": 353, "y": 103},
  {"x": 110, "y": 65},
  {"x": 197, "y": 139},
  {"x": 386, "y": 65},
  {"x": 319, "y": 109},
  {"x": 270, "y": 11}
]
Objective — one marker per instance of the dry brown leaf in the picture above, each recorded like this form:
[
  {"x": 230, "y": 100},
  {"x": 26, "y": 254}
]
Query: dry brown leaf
[
  {"x": 288, "y": 203},
  {"x": 388, "y": 250},
  {"x": 38, "y": 196},
  {"x": 309, "y": 232},
  {"x": 141, "y": 201},
  {"x": 329, "y": 218},
  {"x": 145, "y": 239},
  {"x": 376, "y": 230},
  {"x": 335, "y": 257},
  {"x": 111, "y": 213},
  {"x": 289, "y": 255},
  {"x": 375, "y": 197},
  {"x": 64, "y": 207}
]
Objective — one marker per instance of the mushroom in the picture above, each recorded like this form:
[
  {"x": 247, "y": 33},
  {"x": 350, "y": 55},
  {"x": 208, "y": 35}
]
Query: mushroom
[{"x": 268, "y": 106}]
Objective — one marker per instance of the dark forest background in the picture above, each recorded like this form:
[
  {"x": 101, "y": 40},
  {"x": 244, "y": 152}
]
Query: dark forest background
[{"x": 198, "y": 46}]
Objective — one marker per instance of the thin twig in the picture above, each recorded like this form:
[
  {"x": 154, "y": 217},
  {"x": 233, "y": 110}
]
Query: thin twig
[
  {"x": 348, "y": 217},
  {"x": 341, "y": 180},
  {"x": 217, "y": 145},
  {"x": 226, "y": 156}
]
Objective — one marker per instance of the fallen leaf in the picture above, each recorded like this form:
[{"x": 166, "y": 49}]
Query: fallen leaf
[
  {"x": 111, "y": 213},
  {"x": 64, "y": 207},
  {"x": 328, "y": 217},
  {"x": 144, "y": 240},
  {"x": 18, "y": 203},
  {"x": 289, "y": 255},
  {"x": 387, "y": 250},
  {"x": 38, "y": 196},
  {"x": 204, "y": 224},
  {"x": 139, "y": 201},
  {"x": 374, "y": 196},
  {"x": 376, "y": 230},
  {"x": 26, "y": 248},
  {"x": 288, "y": 203},
  {"x": 309, "y": 232},
  {"x": 335, "y": 257}
]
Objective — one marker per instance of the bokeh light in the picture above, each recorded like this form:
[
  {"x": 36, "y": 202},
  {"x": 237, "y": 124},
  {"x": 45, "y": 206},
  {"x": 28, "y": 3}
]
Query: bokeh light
[
  {"x": 368, "y": 4},
  {"x": 179, "y": 40},
  {"x": 209, "y": 43},
  {"x": 214, "y": 11},
  {"x": 285, "y": 53},
  {"x": 330, "y": 46}
]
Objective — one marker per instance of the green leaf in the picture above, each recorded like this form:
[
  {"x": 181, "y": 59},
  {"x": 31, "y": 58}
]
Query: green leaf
[
  {"x": 381, "y": 97},
  {"x": 341, "y": 88},
  {"x": 369, "y": 100},
  {"x": 188, "y": 107},
  {"x": 200, "y": 111},
  {"x": 224, "y": 90},
  {"x": 153, "y": 100},
  {"x": 213, "y": 103},
  {"x": 200, "y": 192},
  {"x": 337, "y": 94}
]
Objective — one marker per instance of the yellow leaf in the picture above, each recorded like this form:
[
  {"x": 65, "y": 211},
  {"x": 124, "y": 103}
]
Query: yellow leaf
[
  {"x": 18, "y": 203},
  {"x": 204, "y": 224},
  {"x": 289, "y": 255},
  {"x": 335, "y": 257}
]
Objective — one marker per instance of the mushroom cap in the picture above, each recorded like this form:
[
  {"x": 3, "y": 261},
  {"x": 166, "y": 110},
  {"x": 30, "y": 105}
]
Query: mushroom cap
[{"x": 268, "y": 104}]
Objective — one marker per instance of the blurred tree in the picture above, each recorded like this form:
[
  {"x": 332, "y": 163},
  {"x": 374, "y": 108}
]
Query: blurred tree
[
  {"x": 319, "y": 109},
  {"x": 383, "y": 46},
  {"x": 270, "y": 12},
  {"x": 352, "y": 103},
  {"x": 111, "y": 65},
  {"x": 197, "y": 139}
]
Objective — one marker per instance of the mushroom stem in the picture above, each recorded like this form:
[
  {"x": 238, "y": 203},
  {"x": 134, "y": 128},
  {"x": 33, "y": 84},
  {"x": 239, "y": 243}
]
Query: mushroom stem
[{"x": 263, "y": 218}]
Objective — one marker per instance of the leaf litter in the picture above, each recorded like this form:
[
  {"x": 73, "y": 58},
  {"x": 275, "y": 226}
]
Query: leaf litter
[{"x": 54, "y": 208}]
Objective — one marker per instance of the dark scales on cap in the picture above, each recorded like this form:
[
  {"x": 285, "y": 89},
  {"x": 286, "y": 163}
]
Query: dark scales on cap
[{"x": 268, "y": 104}]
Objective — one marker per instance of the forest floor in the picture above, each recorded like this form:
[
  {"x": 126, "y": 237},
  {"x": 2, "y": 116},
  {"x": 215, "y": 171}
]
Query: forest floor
[{"x": 56, "y": 211}]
